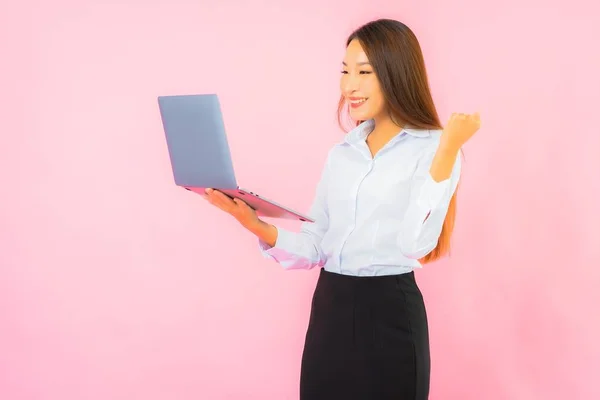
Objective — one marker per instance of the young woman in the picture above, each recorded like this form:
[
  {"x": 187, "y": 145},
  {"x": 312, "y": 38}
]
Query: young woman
[{"x": 384, "y": 206}]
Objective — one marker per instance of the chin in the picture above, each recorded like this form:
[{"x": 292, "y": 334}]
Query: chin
[{"x": 360, "y": 115}]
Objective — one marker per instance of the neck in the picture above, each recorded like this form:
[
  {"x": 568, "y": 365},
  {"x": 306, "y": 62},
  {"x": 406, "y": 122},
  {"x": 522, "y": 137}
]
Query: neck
[{"x": 385, "y": 128}]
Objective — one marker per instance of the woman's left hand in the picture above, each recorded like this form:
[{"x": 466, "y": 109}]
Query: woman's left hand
[{"x": 459, "y": 129}]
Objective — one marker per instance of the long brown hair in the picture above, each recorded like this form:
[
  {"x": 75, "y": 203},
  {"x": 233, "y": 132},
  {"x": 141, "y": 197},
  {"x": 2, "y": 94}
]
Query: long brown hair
[{"x": 396, "y": 57}]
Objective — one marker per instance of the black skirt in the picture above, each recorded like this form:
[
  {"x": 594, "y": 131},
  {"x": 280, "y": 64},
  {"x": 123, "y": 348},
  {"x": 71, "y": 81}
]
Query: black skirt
[{"x": 367, "y": 339}]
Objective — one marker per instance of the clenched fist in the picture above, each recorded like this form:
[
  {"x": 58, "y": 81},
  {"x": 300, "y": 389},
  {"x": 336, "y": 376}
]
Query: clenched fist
[{"x": 460, "y": 128}]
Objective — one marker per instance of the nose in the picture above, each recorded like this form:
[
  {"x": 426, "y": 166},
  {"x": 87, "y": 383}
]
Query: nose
[{"x": 350, "y": 84}]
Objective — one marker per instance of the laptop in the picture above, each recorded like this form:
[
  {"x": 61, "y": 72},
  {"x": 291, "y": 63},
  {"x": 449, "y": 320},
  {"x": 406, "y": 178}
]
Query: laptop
[{"x": 200, "y": 155}]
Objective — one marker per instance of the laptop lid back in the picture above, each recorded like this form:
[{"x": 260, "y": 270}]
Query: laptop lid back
[{"x": 196, "y": 140}]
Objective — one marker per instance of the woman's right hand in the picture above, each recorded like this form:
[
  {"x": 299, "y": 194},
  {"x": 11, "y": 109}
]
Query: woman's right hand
[
  {"x": 241, "y": 211},
  {"x": 244, "y": 214}
]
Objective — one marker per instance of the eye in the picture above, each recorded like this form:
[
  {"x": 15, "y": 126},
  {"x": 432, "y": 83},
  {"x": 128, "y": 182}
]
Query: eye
[
  {"x": 365, "y": 72},
  {"x": 344, "y": 72}
]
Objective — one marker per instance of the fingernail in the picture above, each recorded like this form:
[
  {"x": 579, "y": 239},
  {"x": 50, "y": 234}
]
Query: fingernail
[{"x": 208, "y": 190}]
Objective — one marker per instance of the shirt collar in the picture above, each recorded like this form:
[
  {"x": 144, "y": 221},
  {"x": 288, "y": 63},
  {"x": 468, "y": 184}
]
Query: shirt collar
[{"x": 360, "y": 132}]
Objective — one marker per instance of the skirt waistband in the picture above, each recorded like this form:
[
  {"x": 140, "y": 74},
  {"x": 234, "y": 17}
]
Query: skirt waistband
[
  {"x": 340, "y": 287},
  {"x": 368, "y": 280}
]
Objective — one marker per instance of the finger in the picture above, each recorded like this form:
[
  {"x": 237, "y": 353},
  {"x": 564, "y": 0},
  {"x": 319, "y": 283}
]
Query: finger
[
  {"x": 242, "y": 204},
  {"x": 209, "y": 194},
  {"x": 474, "y": 119},
  {"x": 228, "y": 208},
  {"x": 239, "y": 202},
  {"x": 223, "y": 200},
  {"x": 215, "y": 201},
  {"x": 221, "y": 196},
  {"x": 218, "y": 199},
  {"x": 213, "y": 192}
]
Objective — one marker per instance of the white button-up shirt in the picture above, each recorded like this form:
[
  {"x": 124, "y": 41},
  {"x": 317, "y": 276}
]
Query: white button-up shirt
[{"x": 373, "y": 215}]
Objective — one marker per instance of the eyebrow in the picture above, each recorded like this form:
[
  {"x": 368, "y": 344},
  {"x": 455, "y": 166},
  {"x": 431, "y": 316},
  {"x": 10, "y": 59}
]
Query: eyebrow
[{"x": 358, "y": 63}]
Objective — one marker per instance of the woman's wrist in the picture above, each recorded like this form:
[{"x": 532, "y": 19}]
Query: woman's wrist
[
  {"x": 443, "y": 161},
  {"x": 448, "y": 147},
  {"x": 264, "y": 231}
]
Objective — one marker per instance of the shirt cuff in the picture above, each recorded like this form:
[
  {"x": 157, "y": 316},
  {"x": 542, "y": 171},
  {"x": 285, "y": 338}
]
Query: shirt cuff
[
  {"x": 432, "y": 193},
  {"x": 282, "y": 245}
]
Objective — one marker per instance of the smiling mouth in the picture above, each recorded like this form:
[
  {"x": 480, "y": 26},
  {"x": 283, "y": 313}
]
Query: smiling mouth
[{"x": 357, "y": 102}]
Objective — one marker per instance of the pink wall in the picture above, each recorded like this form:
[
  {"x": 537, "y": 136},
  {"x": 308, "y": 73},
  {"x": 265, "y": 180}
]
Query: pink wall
[{"x": 115, "y": 284}]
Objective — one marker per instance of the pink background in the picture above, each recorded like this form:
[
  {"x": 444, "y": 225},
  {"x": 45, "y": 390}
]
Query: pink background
[{"x": 115, "y": 284}]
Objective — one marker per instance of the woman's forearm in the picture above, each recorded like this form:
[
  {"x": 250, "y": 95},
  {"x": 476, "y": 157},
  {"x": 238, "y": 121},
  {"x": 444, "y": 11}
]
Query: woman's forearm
[
  {"x": 443, "y": 161},
  {"x": 264, "y": 231}
]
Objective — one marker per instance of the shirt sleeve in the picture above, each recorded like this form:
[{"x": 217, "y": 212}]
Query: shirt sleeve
[
  {"x": 302, "y": 250},
  {"x": 429, "y": 200}
]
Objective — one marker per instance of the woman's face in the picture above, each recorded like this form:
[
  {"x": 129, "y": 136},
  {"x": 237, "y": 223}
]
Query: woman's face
[{"x": 360, "y": 86}]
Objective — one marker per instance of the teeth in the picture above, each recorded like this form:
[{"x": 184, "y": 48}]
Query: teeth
[{"x": 358, "y": 101}]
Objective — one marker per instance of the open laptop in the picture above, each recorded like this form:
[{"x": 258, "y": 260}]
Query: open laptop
[{"x": 200, "y": 155}]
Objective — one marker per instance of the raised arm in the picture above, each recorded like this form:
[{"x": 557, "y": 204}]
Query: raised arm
[{"x": 434, "y": 183}]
